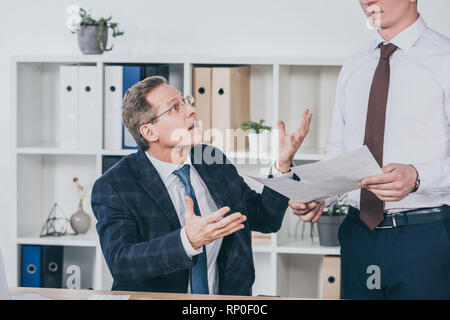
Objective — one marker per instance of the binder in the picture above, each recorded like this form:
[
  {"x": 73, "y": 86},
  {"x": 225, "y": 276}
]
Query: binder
[
  {"x": 31, "y": 266},
  {"x": 109, "y": 161},
  {"x": 52, "y": 266},
  {"x": 113, "y": 107},
  {"x": 176, "y": 76},
  {"x": 203, "y": 102},
  {"x": 331, "y": 277},
  {"x": 151, "y": 70},
  {"x": 131, "y": 75},
  {"x": 87, "y": 108},
  {"x": 230, "y": 105},
  {"x": 68, "y": 106}
]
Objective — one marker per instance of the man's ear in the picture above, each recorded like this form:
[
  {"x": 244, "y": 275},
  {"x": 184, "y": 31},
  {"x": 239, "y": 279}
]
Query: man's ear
[{"x": 150, "y": 133}]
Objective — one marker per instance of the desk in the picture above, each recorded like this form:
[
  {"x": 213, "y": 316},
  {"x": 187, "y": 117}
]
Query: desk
[{"x": 67, "y": 294}]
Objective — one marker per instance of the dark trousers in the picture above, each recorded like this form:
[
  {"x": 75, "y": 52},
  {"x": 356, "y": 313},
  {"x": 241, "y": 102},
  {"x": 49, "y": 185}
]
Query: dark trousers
[{"x": 410, "y": 262}]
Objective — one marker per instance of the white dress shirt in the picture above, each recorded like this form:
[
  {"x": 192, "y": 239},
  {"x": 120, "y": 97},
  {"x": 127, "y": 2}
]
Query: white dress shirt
[
  {"x": 207, "y": 206},
  {"x": 417, "y": 116}
]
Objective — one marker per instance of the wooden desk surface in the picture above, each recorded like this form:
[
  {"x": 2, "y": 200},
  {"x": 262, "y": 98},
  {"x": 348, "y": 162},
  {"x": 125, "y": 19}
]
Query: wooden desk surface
[{"x": 67, "y": 294}]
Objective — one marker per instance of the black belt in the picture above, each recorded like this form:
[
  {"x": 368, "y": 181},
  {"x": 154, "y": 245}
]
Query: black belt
[{"x": 404, "y": 218}]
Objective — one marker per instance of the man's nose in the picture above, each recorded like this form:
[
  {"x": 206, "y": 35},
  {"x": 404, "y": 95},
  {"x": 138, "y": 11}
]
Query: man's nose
[{"x": 190, "y": 110}]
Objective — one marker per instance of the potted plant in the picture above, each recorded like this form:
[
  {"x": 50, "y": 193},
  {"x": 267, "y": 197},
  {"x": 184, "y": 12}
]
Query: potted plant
[
  {"x": 257, "y": 134},
  {"x": 329, "y": 222},
  {"x": 92, "y": 34}
]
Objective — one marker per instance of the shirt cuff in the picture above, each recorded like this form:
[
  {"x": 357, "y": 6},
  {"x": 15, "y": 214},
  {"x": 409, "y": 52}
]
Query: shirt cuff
[
  {"x": 190, "y": 252},
  {"x": 274, "y": 172},
  {"x": 427, "y": 175}
]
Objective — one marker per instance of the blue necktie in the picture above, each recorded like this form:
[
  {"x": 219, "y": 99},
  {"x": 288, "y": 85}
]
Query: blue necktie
[{"x": 199, "y": 279}]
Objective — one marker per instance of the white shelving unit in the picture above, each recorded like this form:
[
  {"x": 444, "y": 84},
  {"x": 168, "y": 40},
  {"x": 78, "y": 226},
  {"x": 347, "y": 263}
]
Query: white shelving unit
[{"x": 280, "y": 88}]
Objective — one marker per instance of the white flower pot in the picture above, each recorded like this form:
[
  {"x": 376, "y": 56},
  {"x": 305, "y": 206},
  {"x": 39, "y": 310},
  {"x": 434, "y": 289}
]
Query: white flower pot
[
  {"x": 258, "y": 143},
  {"x": 253, "y": 142},
  {"x": 264, "y": 140}
]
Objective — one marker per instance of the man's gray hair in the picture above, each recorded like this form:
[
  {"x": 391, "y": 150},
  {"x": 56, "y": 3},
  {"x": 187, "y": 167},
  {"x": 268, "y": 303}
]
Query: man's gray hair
[{"x": 136, "y": 111}]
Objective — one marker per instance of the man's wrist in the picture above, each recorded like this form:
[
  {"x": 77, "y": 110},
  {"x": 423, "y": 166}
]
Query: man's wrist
[
  {"x": 187, "y": 245},
  {"x": 417, "y": 180},
  {"x": 283, "y": 167}
]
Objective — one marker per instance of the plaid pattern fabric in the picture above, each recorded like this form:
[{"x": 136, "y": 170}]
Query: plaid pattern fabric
[{"x": 139, "y": 229}]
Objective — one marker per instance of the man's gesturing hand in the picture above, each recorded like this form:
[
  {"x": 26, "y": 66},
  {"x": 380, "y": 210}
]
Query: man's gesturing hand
[
  {"x": 203, "y": 230},
  {"x": 290, "y": 143}
]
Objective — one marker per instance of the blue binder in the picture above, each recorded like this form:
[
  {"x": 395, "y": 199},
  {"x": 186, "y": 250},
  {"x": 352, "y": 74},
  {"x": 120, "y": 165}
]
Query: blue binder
[
  {"x": 31, "y": 266},
  {"x": 131, "y": 75}
]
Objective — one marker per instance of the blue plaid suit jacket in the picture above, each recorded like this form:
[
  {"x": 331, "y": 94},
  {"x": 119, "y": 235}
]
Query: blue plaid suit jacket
[{"x": 139, "y": 228}]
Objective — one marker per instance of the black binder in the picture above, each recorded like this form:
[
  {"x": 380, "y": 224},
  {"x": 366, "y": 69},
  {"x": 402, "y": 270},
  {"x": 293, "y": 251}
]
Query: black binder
[
  {"x": 52, "y": 266},
  {"x": 150, "y": 70}
]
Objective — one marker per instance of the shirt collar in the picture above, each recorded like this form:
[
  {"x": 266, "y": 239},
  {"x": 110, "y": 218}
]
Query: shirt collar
[
  {"x": 408, "y": 37},
  {"x": 165, "y": 169}
]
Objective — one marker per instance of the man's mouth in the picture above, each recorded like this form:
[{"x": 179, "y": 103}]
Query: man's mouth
[
  {"x": 195, "y": 125},
  {"x": 373, "y": 10}
]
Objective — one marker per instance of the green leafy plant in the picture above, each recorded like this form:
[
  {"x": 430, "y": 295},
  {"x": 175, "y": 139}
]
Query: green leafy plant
[
  {"x": 80, "y": 18},
  {"x": 340, "y": 208},
  {"x": 312, "y": 230},
  {"x": 257, "y": 127}
]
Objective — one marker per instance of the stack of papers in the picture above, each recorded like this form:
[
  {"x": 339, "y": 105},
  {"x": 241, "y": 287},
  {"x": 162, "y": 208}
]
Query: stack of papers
[{"x": 326, "y": 178}]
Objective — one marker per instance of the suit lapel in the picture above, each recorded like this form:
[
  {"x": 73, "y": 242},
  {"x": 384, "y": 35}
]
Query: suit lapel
[{"x": 150, "y": 180}]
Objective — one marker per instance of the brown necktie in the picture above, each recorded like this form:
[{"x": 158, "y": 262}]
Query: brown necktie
[{"x": 371, "y": 208}]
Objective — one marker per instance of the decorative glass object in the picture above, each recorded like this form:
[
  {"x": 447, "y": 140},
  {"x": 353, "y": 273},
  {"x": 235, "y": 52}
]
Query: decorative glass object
[{"x": 56, "y": 223}]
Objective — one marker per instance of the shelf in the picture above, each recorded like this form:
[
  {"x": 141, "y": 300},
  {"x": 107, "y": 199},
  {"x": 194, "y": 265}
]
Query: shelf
[
  {"x": 52, "y": 148},
  {"x": 261, "y": 248},
  {"x": 120, "y": 152},
  {"x": 90, "y": 239},
  {"x": 305, "y": 246},
  {"x": 280, "y": 88},
  {"x": 113, "y": 58},
  {"x": 305, "y": 154},
  {"x": 309, "y": 154}
]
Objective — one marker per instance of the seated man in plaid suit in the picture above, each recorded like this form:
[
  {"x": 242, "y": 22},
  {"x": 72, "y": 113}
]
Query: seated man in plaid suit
[{"x": 171, "y": 220}]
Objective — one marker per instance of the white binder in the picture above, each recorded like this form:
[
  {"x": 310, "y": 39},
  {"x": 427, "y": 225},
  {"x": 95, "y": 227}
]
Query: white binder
[
  {"x": 113, "y": 107},
  {"x": 88, "y": 113},
  {"x": 68, "y": 106}
]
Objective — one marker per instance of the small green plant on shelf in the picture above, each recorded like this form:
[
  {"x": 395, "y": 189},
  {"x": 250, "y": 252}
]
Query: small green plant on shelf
[
  {"x": 312, "y": 230},
  {"x": 339, "y": 208},
  {"x": 257, "y": 127}
]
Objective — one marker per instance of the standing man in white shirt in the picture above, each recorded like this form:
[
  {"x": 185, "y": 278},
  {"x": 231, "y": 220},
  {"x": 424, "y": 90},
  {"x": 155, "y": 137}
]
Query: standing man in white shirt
[{"x": 394, "y": 97}]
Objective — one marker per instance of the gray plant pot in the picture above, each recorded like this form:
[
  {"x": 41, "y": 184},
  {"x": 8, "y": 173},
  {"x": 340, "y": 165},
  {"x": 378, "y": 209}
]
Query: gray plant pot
[
  {"x": 328, "y": 227},
  {"x": 87, "y": 39}
]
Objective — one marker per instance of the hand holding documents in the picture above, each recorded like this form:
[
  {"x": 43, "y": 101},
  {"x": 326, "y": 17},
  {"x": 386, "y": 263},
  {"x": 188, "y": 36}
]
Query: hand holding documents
[{"x": 326, "y": 178}]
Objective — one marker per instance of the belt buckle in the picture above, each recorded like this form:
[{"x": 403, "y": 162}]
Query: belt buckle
[{"x": 394, "y": 223}]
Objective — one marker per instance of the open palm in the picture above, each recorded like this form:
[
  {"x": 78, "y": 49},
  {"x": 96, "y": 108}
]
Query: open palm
[{"x": 290, "y": 143}]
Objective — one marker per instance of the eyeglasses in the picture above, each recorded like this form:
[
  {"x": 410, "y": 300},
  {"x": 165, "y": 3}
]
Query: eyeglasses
[{"x": 177, "y": 107}]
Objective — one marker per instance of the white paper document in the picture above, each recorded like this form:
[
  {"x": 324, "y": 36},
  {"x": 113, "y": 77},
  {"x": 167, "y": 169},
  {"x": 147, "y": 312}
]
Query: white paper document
[{"x": 326, "y": 178}]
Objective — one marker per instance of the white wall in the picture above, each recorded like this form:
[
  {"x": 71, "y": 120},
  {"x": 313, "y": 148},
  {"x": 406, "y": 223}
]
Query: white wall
[{"x": 241, "y": 28}]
